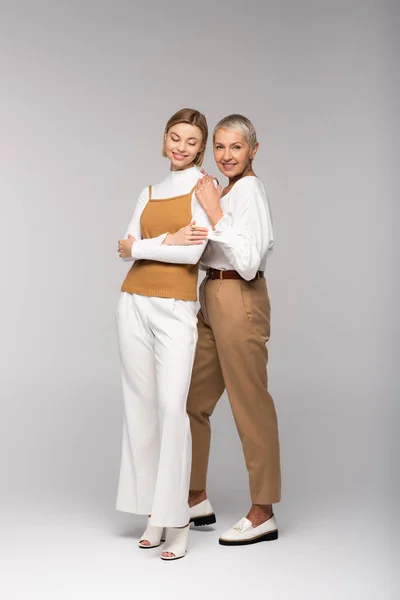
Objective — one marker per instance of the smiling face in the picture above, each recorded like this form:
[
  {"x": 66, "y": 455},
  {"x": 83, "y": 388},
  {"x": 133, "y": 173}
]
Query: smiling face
[
  {"x": 232, "y": 152},
  {"x": 182, "y": 144}
]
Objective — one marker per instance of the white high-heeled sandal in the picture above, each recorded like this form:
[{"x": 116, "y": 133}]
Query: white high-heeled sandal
[
  {"x": 176, "y": 542},
  {"x": 152, "y": 534}
]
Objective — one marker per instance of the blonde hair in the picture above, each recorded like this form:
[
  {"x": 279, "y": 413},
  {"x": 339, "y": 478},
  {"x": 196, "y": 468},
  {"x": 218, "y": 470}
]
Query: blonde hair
[
  {"x": 241, "y": 124},
  {"x": 191, "y": 117}
]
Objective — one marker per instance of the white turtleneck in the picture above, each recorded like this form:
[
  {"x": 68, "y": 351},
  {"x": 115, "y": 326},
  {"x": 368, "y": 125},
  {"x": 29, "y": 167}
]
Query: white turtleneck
[{"x": 176, "y": 183}]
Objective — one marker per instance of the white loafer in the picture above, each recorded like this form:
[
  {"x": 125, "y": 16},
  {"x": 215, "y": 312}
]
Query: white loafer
[
  {"x": 243, "y": 533},
  {"x": 152, "y": 534},
  {"x": 176, "y": 542},
  {"x": 202, "y": 514}
]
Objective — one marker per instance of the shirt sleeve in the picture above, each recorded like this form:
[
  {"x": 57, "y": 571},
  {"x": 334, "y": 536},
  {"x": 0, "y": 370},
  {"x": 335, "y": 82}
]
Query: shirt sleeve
[
  {"x": 134, "y": 225},
  {"x": 154, "y": 249},
  {"x": 245, "y": 232}
]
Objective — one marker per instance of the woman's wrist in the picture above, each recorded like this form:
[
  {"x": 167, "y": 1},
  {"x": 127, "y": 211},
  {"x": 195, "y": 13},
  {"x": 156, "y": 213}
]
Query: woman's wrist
[
  {"x": 169, "y": 240},
  {"x": 215, "y": 216}
]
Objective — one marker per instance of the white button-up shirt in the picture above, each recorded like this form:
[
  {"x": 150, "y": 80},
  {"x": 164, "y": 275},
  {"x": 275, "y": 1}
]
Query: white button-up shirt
[{"x": 243, "y": 238}]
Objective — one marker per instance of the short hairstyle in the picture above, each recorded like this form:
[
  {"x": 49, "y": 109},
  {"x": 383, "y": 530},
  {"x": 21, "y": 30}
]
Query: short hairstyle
[
  {"x": 241, "y": 124},
  {"x": 191, "y": 117}
]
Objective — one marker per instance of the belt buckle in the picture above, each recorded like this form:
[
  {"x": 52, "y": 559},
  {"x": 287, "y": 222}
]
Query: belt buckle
[{"x": 220, "y": 275}]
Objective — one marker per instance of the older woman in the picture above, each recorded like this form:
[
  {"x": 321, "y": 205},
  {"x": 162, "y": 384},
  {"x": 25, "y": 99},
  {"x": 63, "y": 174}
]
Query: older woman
[{"x": 233, "y": 328}]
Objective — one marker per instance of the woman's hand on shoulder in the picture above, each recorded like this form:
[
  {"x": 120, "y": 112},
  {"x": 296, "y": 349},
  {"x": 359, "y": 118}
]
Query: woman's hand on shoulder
[
  {"x": 125, "y": 246},
  {"x": 204, "y": 172},
  {"x": 209, "y": 197},
  {"x": 190, "y": 235},
  {"x": 206, "y": 192}
]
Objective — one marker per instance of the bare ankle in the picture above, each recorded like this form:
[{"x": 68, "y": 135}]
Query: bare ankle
[
  {"x": 263, "y": 508},
  {"x": 197, "y": 496},
  {"x": 259, "y": 513}
]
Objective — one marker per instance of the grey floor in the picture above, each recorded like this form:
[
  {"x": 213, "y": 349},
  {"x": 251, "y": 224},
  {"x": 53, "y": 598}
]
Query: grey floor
[{"x": 65, "y": 554}]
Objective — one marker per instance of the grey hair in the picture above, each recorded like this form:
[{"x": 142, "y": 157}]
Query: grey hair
[{"x": 241, "y": 124}]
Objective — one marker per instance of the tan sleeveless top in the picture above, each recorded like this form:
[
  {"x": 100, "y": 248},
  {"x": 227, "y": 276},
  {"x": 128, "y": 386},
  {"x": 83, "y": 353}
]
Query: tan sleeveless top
[{"x": 158, "y": 279}]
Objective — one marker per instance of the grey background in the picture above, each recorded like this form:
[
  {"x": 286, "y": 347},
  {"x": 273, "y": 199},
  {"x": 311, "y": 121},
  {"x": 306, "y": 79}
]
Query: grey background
[{"x": 86, "y": 89}]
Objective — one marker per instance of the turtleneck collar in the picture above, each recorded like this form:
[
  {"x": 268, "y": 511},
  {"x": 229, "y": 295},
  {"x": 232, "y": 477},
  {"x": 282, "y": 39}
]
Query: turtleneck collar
[{"x": 183, "y": 175}]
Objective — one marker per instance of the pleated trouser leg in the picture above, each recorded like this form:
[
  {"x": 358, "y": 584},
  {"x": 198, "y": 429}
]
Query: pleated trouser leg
[{"x": 157, "y": 338}]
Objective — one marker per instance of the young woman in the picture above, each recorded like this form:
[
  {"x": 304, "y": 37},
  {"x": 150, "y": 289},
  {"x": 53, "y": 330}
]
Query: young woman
[
  {"x": 157, "y": 335},
  {"x": 233, "y": 328}
]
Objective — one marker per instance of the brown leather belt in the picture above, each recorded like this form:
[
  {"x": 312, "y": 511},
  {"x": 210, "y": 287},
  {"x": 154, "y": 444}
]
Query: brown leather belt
[{"x": 217, "y": 274}]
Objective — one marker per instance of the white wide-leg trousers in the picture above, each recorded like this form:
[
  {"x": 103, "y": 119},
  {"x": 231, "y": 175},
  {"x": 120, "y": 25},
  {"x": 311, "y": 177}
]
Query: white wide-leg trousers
[{"x": 157, "y": 340}]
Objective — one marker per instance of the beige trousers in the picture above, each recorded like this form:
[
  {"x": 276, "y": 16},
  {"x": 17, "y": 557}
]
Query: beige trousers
[{"x": 231, "y": 353}]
